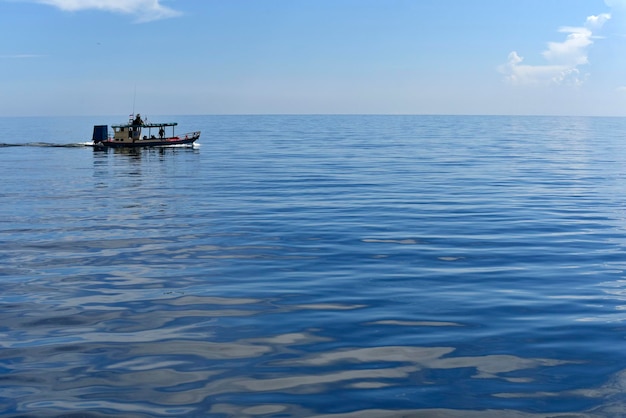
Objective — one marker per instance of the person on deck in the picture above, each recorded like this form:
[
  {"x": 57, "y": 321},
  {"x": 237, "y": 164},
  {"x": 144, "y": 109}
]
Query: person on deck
[
  {"x": 136, "y": 129},
  {"x": 161, "y": 132}
]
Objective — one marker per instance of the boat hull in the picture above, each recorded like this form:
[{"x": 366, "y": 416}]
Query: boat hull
[{"x": 152, "y": 142}]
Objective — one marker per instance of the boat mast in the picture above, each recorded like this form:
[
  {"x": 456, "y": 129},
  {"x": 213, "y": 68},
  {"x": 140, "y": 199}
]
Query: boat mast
[{"x": 134, "y": 98}]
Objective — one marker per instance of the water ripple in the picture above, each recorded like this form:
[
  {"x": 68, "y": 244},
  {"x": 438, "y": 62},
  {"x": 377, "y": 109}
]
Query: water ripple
[{"x": 353, "y": 266}]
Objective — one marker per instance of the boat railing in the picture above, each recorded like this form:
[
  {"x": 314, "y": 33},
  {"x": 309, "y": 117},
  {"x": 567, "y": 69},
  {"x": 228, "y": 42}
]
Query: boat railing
[{"x": 189, "y": 135}]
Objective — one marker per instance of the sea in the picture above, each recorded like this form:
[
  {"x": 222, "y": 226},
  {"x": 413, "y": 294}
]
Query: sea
[{"x": 335, "y": 266}]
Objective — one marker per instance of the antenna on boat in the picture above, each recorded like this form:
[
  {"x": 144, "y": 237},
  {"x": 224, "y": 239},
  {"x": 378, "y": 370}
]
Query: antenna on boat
[{"x": 134, "y": 98}]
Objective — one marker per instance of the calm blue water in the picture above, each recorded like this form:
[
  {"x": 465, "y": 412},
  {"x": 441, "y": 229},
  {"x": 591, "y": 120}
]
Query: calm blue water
[{"x": 333, "y": 266}]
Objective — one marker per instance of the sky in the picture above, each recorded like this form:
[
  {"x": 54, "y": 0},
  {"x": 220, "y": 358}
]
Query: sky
[{"x": 172, "y": 57}]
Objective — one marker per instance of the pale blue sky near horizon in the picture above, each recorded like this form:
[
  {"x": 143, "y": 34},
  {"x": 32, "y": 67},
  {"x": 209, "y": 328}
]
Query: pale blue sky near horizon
[{"x": 110, "y": 57}]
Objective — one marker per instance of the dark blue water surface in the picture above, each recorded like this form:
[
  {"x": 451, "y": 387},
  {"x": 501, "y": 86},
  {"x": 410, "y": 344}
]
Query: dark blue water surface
[{"x": 332, "y": 266}]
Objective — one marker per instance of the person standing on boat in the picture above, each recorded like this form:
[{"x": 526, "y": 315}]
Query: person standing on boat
[
  {"x": 161, "y": 132},
  {"x": 137, "y": 124},
  {"x": 138, "y": 121}
]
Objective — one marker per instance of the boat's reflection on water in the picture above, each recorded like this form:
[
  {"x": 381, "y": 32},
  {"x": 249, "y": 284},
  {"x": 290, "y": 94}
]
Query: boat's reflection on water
[{"x": 116, "y": 165}]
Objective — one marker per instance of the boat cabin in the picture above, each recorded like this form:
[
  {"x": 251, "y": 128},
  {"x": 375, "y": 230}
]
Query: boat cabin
[{"x": 131, "y": 133}]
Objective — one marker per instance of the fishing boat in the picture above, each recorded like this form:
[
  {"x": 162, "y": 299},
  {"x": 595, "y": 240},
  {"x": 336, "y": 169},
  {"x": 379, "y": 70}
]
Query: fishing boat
[{"x": 137, "y": 133}]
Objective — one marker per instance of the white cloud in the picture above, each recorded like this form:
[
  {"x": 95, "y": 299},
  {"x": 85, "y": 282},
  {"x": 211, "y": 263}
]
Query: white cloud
[
  {"x": 597, "y": 21},
  {"x": 144, "y": 10},
  {"x": 563, "y": 58},
  {"x": 573, "y": 51},
  {"x": 618, "y": 16},
  {"x": 616, "y": 4},
  {"x": 520, "y": 74}
]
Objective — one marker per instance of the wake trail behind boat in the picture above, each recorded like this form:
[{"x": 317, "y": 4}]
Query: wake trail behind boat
[{"x": 48, "y": 145}]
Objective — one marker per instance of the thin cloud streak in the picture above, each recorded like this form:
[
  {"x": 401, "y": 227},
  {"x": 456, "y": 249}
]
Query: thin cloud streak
[
  {"x": 143, "y": 10},
  {"x": 21, "y": 56}
]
